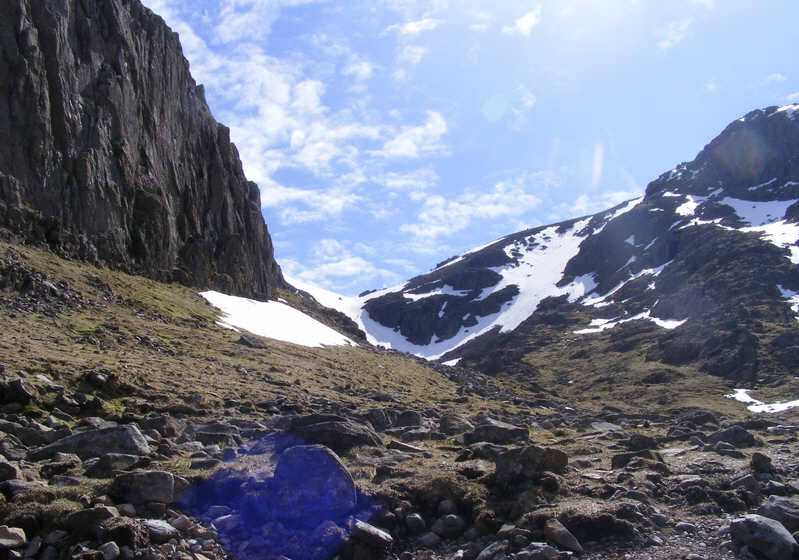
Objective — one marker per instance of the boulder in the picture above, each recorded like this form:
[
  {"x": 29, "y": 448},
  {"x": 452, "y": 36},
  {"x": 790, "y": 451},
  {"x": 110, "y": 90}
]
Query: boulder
[
  {"x": 529, "y": 463},
  {"x": 452, "y": 424},
  {"x": 86, "y": 522},
  {"x": 763, "y": 535},
  {"x": 735, "y": 435},
  {"x": 311, "y": 485},
  {"x": 16, "y": 391},
  {"x": 556, "y": 533},
  {"x": 784, "y": 510},
  {"x": 95, "y": 443},
  {"x": 12, "y": 537},
  {"x": 339, "y": 435},
  {"x": 147, "y": 486},
  {"x": 494, "y": 431}
]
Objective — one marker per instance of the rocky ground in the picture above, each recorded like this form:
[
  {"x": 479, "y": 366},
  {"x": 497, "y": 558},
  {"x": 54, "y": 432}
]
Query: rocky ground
[{"x": 150, "y": 433}]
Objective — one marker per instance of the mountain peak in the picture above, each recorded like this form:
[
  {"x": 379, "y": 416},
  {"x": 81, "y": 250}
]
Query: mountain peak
[{"x": 712, "y": 240}]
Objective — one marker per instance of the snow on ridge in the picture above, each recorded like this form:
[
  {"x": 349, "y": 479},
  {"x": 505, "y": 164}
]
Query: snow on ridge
[
  {"x": 599, "y": 325},
  {"x": 791, "y": 110},
  {"x": 792, "y": 298},
  {"x": 601, "y": 300},
  {"x": 445, "y": 290},
  {"x": 273, "y": 319},
  {"x": 742, "y": 395},
  {"x": 758, "y": 213}
]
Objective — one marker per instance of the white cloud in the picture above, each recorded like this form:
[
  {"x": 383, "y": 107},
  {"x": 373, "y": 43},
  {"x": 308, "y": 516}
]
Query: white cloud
[
  {"x": 792, "y": 97},
  {"x": 415, "y": 141},
  {"x": 303, "y": 205},
  {"x": 441, "y": 216},
  {"x": 775, "y": 78},
  {"x": 412, "y": 54},
  {"x": 335, "y": 266},
  {"x": 711, "y": 86},
  {"x": 361, "y": 70},
  {"x": 414, "y": 27},
  {"x": 524, "y": 25},
  {"x": 249, "y": 19},
  {"x": 709, "y": 4},
  {"x": 412, "y": 182},
  {"x": 674, "y": 33}
]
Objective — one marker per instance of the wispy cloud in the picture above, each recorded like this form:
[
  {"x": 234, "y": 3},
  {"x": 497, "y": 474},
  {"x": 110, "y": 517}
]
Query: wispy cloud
[
  {"x": 360, "y": 69},
  {"x": 440, "y": 216},
  {"x": 412, "y": 54},
  {"x": 411, "y": 182},
  {"x": 414, "y": 27},
  {"x": 525, "y": 24},
  {"x": 775, "y": 78},
  {"x": 711, "y": 86},
  {"x": 334, "y": 265},
  {"x": 415, "y": 141},
  {"x": 792, "y": 97},
  {"x": 674, "y": 33}
]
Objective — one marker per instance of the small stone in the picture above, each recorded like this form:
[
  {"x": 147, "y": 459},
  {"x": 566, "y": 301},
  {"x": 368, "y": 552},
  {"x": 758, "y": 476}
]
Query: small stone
[
  {"x": 449, "y": 526},
  {"x": 415, "y": 523},
  {"x": 561, "y": 536},
  {"x": 110, "y": 551},
  {"x": 684, "y": 527},
  {"x": 761, "y": 463},
  {"x": 160, "y": 531},
  {"x": 447, "y": 506},
  {"x": 12, "y": 537},
  {"x": 429, "y": 540}
]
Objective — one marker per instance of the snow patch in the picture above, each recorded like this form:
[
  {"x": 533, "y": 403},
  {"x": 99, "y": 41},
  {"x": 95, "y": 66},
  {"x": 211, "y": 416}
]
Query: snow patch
[
  {"x": 273, "y": 319},
  {"x": 758, "y": 213},
  {"x": 761, "y": 185},
  {"x": 445, "y": 290},
  {"x": 791, "y": 110},
  {"x": 688, "y": 208},
  {"x": 742, "y": 395},
  {"x": 792, "y": 297},
  {"x": 599, "y": 325},
  {"x": 452, "y": 363}
]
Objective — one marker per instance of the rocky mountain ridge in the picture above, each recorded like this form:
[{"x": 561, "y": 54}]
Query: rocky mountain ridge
[
  {"x": 700, "y": 272},
  {"x": 109, "y": 153}
]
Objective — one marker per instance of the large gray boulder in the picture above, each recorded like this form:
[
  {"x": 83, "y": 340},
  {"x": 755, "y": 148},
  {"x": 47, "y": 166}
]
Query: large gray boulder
[
  {"x": 312, "y": 485},
  {"x": 148, "y": 486},
  {"x": 763, "y": 535},
  {"x": 495, "y": 431},
  {"x": 529, "y": 463},
  {"x": 784, "y": 510},
  {"x": 95, "y": 443},
  {"x": 339, "y": 434}
]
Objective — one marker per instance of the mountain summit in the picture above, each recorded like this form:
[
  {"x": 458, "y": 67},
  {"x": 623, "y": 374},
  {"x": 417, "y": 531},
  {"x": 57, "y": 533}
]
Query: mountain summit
[
  {"x": 108, "y": 150},
  {"x": 700, "y": 272}
]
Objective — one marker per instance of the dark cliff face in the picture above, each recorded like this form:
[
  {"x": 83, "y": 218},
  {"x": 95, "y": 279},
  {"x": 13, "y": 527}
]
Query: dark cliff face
[{"x": 109, "y": 152}]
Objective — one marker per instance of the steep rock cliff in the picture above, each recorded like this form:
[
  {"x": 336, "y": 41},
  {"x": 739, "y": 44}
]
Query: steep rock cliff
[{"x": 108, "y": 150}]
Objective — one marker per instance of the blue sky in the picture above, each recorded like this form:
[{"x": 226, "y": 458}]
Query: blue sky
[{"x": 389, "y": 135}]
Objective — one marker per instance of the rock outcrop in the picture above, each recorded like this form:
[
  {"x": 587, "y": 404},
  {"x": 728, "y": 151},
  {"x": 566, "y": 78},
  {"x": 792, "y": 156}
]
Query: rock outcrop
[{"x": 108, "y": 151}]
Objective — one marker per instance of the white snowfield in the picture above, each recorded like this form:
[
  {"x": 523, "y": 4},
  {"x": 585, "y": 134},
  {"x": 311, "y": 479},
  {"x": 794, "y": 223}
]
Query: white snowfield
[
  {"x": 742, "y": 395},
  {"x": 273, "y": 319}
]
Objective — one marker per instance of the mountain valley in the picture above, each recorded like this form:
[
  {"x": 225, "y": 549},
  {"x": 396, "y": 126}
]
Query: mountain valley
[{"x": 620, "y": 385}]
